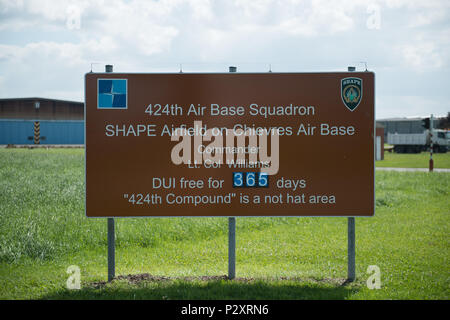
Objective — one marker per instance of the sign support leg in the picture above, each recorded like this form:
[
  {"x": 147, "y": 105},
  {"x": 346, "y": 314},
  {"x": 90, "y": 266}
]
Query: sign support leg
[
  {"x": 111, "y": 250},
  {"x": 231, "y": 248},
  {"x": 351, "y": 250},
  {"x": 232, "y": 234}
]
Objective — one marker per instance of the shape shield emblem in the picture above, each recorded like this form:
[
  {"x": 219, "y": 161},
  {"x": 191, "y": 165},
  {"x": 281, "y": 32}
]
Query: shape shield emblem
[{"x": 351, "y": 92}]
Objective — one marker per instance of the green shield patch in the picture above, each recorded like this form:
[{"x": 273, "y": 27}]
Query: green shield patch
[{"x": 351, "y": 92}]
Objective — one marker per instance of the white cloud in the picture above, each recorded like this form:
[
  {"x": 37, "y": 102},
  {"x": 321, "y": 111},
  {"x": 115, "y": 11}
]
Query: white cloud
[
  {"x": 202, "y": 9},
  {"x": 426, "y": 51},
  {"x": 421, "y": 56},
  {"x": 64, "y": 53},
  {"x": 416, "y": 4},
  {"x": 37, "y": 49},
  {"x": 2, "y": 86},
  {"x": 428, "y": 17},
  {"x": 255, "y": 8},
  {"x": 72, "y": 95},
  {"x": 391, "y": 106}
]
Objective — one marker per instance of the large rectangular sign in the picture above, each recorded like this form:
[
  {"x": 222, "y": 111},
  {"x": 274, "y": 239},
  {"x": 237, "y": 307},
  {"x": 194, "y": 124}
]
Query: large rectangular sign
[{"x": 229, "y": 144}]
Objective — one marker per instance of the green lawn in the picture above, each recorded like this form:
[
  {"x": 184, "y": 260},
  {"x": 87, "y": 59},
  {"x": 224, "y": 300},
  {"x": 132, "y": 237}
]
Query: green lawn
[
  {"x": 415, "y": 160},
  {"x": 43, "y": 231}
]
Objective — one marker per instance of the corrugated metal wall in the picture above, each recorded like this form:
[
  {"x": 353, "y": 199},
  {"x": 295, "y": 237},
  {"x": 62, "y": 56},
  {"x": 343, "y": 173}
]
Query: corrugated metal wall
[
  {"x": 51, "y": 132},
  {"x": 16, "y": 132},
  {"x": 401, "y": 126},
  {"x": 49, "y": 109}
]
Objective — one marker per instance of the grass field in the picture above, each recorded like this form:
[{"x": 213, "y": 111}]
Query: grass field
[
  {"x": 419, "y": 160},
  {"x": 43, "y": 231}
]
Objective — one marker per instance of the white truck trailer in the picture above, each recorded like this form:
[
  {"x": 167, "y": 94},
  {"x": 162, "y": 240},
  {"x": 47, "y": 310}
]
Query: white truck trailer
[{"x": 418, "y": 142}]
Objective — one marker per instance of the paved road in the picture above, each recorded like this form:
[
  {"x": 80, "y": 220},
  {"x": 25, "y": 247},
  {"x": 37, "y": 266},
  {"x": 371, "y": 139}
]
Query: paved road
[{"x": 411, "y": 169}]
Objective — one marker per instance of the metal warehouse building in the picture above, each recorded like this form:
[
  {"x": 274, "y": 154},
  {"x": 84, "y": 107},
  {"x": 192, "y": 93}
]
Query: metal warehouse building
[
  {"x": 401, "y": 125},
  {"x": 41, "y": 121}
]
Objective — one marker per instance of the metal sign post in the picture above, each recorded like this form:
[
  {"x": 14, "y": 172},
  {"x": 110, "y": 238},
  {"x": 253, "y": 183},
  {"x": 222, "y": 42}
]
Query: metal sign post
[
  {"x": 111, "y": 231},
  {"x": 111, "y": 250},
  {"x": 231, "y": 248},
  {"x": 232, "y": 235},
  {"x": 351, "y": 273}
]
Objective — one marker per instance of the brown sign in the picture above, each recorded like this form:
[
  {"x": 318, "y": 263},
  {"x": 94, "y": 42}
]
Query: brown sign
[{"x": 229, "y": 144}]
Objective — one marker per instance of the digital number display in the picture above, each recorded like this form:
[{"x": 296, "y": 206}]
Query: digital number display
[{"x": 250, "y": 180}]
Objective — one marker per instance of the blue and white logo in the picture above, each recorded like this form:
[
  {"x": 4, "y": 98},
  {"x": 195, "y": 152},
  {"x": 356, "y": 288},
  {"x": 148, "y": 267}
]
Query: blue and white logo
[{"x": 112, "y": 94}]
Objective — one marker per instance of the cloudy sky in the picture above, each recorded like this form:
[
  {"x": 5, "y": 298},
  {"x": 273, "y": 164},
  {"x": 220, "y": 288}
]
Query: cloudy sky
[{"x": 46, "y": 47}]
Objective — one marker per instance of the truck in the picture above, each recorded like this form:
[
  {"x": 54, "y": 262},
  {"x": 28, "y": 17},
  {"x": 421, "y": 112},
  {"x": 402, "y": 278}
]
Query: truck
[{"x": 418, "y": 142}]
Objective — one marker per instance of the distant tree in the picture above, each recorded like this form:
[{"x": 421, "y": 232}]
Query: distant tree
[{"x": 444, "y": 123}]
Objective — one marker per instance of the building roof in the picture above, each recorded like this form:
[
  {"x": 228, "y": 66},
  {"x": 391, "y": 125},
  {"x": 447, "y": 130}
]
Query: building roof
[
  {"x": 416, "y": 118},
  {"x": 402, "y": 119},
  {"x": 39, "y": 99}
]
